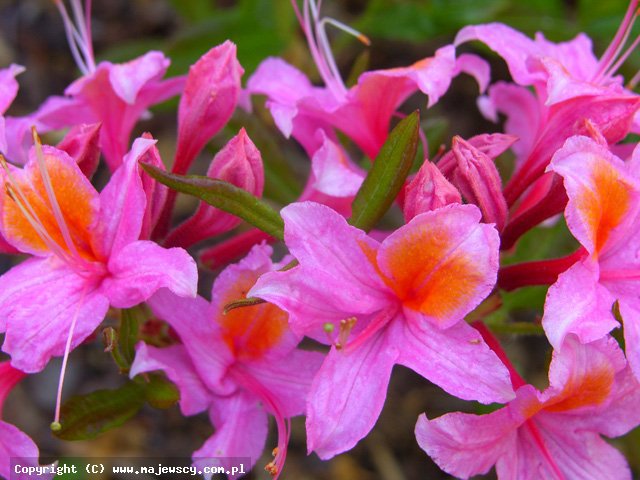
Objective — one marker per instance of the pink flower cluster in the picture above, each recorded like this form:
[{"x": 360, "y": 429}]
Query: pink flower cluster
[{"x": 365, "y": 301}]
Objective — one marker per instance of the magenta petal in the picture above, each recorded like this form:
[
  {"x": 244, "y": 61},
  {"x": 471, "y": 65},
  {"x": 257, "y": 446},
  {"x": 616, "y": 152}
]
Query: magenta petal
[
  {"x": 630, "y": 311},
  {"x": 240, "y": 432},
  {"x": 176, "y": 363},
  {"x": 348, "y": 394},
  {"x": 81, "y": 143},
  {"x": 284, "y": 85},
  {"x": 579, "y": 454},
  {"x": 191, "y": 319},
  {"x": 456, "y": 359},
  {"x": 428, "y": 190},
  {"x": 8, "y": 85},
  {"x": 39, "y": 300},
  {"x": 465, "y": 445},
  {"x": 578, "y": 304},
  {"x": 139, "y": 269},
  {"x": 210, "y": 97},
  {"x": 288, "y": 386},
  {"x": 127, "y": 79},
  {"x": 122, "y": 202},
  {"x": 16, "y": 446},
  {"x": 155, "y": 192},
  {"x": 335, "y": 174}
]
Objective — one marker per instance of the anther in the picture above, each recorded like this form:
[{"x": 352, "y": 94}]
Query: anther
[{"x": 346, "y": 325}]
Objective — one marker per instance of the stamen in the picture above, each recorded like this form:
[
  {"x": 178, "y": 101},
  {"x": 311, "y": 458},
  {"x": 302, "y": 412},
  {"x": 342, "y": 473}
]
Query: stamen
[
  {"x": 67, "y": 349},
  {"x": 319, "y": 45},
  {"x": 346, "y": 325},
  {"x": 55, "y": 206},
  {"x": 79, "y": 34},
  {"x": 617, "y": 44}
]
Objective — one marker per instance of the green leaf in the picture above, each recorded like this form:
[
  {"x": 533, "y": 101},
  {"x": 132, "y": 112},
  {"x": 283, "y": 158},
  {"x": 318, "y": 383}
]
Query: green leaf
[
  {"x": 387, "y": 175},
  {"x": 87, "y": 416},
  {"x": 225, "y": 196},
  {"x": 160, "y": 392}
]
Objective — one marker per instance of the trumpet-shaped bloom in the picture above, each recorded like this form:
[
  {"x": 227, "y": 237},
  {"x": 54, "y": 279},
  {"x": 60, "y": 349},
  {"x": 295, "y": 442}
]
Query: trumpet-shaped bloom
[
  {"x": 570, "y": 85},
  {"x": 553, "y": 434},
  {"x": 85, "y": 253},
  {"x": 398, "y": 302},
  {"x": 14, "y": 443},
  {"x": 603, "y": 213},
  {"x": 238, "y": 366},
  {"x": 362, "y": 112}
]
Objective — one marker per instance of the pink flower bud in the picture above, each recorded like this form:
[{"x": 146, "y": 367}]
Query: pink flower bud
[{"x": 428, "y": 191}]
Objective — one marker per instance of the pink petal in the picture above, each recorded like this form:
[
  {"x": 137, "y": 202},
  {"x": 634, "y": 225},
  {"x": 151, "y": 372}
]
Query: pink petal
[
  {"x": 288, "y": 386},
  {"x": 283, "y": 85},
  {"x": 17, "y": 448},
  {"x": 176, "y": 363},
  {"x": 9, "y": 85},
  {"x": 578, "y": 304},
  {"x": 347, "y": 395},
  {"x": 629, "y": 310},
  {"x": 210, "y": 97},
  {"x": 456, "y": 359},
  {"x": 428, "y": 190},
  {"x": 603, "y": 199},
  {"x": 127, "y": 79},
  {"x": 465, "y": 445},
  {"x": 475, "y": 66},
  {"x": 39, "y": 299},
  {"x": 155, "y": 192},
  {"x": 81, "y": 143},
  {"x": 141, "y": 268},
  {"x": 335, "y": 174},
  {"x": 240, "y": 432},
  {"x": 578, "y": 454},
  {"x": 335, "y": 278},
  {"x": 442, "y": 263},
  {"x": 191, "y": 319},
  {"x": 122, "y": 202},
  {"x": 523, "y": 112}
]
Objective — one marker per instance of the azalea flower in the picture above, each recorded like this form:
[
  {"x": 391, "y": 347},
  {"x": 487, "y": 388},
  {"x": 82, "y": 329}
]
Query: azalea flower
[
  {"x": 570, "y": 84},
  {"x": 554, "y": 434},
  {"x": 401, "y": 301},
  {"x": 85, "y": 253},
  {"x": 14, "y": 444},
  {"x": 603, "y": 213},
  {"x": 362, "y": 112},
  {"x": 239, "y": 366}
]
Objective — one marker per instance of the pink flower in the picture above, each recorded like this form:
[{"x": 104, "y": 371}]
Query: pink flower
[
  {"x": 362, "y": 112},
  {"x": 238, "y": 366},
  {"x": 554, "y": 434},
  {"x": 603, "y": 213},
  {"x": 85, "y": 253},
  {"x": 398, "y": 302},
  {"x": 570, "y": 85},
  {"x": 14, "y": 444}
]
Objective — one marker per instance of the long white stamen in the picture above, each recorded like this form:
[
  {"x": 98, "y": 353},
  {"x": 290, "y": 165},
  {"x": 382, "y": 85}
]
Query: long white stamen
[
  {"x": 65, "y": 358},
  {"x": 55, "y": 206},
  {"x": 346, "y": 28},
  {"x": 614, "y": 68},
  {"x": 78, "y": 34}
]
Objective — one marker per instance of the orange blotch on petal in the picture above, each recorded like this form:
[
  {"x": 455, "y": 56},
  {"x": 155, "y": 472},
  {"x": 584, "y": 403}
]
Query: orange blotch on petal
[
  {"x": 77, "y": 200},
  {"x": 250, "y": 332},
  {"x": 429, "y": 273},
  {"x": 604, "y": 205},
  {"x": 589, "y": 390}
]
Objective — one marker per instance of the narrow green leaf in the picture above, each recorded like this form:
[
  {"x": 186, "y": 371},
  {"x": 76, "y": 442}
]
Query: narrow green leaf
[
  {"x": 225, "y": 196},
  {"x": 160, "y": 392},
  {"x": 387, "y": 175},
  {"x": 87, "y": 416}
]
